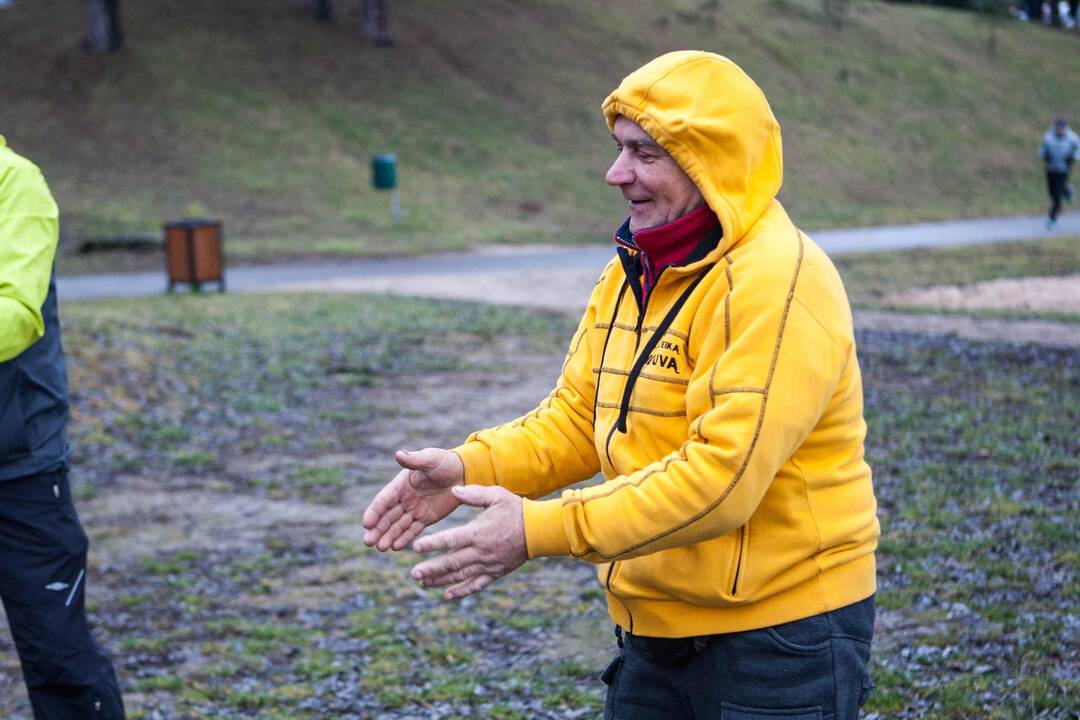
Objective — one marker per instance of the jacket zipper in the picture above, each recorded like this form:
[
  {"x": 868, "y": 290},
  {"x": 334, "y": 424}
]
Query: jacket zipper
[
  {"x": 738, "y": 560},
  {"x": 643, "y": 304}
]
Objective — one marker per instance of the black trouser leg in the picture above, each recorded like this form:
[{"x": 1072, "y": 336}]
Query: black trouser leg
[
  {"x": 1055, "y": 184},
  {"x": 42, "y": 583}
]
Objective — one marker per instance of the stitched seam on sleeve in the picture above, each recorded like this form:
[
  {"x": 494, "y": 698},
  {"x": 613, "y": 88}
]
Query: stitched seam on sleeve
[
  {"x": 712, "y": 379},
  {"x": 535, "y": 412},
  {"x": 749, "y": 452},
  {"x": 577, "y": 498},
  {"x": 576, "y": 347}
]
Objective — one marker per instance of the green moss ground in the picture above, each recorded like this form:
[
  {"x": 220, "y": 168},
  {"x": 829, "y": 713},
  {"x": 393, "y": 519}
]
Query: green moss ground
[{"x": 975, "y": 467}]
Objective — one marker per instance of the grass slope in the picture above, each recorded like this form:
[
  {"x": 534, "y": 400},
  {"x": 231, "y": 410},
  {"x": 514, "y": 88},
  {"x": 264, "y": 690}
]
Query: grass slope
[{"x": 251, "y": 112}]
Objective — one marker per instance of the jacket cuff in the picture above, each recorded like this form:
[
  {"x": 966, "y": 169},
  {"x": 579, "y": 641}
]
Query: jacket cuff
[
  {"x": 477, "y": 461},
  {"x": 545, "y": 534}
]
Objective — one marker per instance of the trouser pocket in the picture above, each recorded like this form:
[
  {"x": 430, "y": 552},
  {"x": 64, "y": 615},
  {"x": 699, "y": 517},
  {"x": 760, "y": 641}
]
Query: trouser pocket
[
  {"x": 610, "y": 678},
  {"x": 782, "y": 671},
  {"x": 611, "y": 671},
  {"x": 735, "y": 712}
]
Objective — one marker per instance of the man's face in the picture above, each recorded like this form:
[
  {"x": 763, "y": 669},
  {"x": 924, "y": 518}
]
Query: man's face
[
  {"x": 654, "y": 185},
  {"x": 1059, "y": 128}
]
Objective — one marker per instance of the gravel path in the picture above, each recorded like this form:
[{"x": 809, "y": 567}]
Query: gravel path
[
  {"x": 561, "y": 278},
  {"x": 529, "y": 259}
]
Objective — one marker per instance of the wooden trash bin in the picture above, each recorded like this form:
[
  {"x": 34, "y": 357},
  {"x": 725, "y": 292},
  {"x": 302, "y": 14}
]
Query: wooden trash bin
[{"x": 193, "y": 253}]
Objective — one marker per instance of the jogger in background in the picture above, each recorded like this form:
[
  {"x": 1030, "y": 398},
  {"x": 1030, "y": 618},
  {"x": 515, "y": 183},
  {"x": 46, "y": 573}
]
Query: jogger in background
[{"x": 1060, "y": 147}]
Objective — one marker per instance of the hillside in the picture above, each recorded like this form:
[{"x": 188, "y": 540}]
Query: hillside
[{"x": 251, "y": 112}]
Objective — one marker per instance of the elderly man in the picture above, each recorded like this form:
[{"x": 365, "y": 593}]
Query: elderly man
[
  {"x": 713, "y": 381},
  {"x": 42, "y": 545}
]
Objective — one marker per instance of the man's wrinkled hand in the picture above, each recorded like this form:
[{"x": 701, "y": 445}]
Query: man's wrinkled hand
[
  {"x": 417, "y": 497},
  {"x": 488, "y": 547}
]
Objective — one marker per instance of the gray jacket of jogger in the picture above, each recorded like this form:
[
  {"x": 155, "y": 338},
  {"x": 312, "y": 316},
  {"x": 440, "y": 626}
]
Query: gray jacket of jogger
[{"x": 1058, "y": 151}]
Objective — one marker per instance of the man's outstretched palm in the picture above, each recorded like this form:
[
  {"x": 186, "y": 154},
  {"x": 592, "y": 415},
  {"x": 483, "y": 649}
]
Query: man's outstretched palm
[{"x": 416, "y": 498}]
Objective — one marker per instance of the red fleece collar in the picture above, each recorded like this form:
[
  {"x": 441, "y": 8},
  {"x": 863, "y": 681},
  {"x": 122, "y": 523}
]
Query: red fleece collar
[{"x": 670, "y": 243}]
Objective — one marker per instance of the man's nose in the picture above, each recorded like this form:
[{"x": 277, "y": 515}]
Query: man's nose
[{"x": 620, "y": 173}]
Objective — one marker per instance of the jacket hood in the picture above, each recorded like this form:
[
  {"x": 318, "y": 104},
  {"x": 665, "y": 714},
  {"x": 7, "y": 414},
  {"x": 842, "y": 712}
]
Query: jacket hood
[{"x": 716, "y": 123}]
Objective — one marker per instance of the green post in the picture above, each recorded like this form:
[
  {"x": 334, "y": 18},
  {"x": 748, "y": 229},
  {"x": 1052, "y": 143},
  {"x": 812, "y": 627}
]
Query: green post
[{"x": 384, "y": 177}]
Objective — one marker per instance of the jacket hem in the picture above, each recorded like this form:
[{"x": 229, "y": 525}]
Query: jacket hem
[{"x": 834, "y": 588}]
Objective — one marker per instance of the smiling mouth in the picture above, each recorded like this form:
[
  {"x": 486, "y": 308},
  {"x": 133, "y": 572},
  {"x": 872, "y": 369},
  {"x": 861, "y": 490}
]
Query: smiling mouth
[{"x": 634, "y": 204}]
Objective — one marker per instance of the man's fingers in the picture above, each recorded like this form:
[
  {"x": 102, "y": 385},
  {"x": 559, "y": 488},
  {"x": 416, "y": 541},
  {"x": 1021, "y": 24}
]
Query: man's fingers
[
  {"x": 386, "y": 498},
  {"x": 384, "y": 522},
  {"x": 445, "y": 540},
  {"x": 388, "y": 518},
  {"x": 403, "y": 522},
  {"x": 477, "y": 495},
  {"x": 454, "y": 577},
  {"x": 409, "y": 535},
  {"x": 424, "y": 459},
  {"x": 445, "y": 564},
  {"x": 470, "y": 586}
]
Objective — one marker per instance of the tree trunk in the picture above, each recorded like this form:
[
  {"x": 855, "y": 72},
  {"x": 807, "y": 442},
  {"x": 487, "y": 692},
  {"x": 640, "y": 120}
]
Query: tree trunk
[
  {"x": 709, "y": 11},
  {"x": 836, "y": 12},
  {"x": 103, "y": 33},
  {"x": 375, "y": 21},
  {"x": 322, "y": 10}
]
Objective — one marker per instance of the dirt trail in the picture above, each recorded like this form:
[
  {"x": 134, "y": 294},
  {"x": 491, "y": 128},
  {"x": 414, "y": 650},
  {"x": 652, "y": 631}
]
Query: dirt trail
[
  {"x": 1048, "y": 294},
  {"x": 1036, "y": 332},
  {"x": 567, "y": 290}
]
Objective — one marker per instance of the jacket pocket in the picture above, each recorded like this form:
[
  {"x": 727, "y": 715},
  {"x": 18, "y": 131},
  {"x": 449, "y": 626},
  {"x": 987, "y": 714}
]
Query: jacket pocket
[
  {"x": 14, "y": 443},
  {"x": 699, "y": 574}
]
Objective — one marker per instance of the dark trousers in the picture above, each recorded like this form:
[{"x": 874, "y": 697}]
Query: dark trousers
[
  {"x": 809, "y": 669},
  {"x": 1055, "y": 184},
  {"x": 43, "y": 583}
]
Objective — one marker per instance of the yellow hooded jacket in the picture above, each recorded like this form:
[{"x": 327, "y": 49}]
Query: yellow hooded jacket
[{"x": 736, "y": 495}]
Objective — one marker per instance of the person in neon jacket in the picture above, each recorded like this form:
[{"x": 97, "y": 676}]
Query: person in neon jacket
[
  {"x": 714, "y": 385},
  {"x": 42, "y": 544}
]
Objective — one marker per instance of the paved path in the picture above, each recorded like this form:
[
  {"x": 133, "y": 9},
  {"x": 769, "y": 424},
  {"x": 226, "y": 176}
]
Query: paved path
[{"x": 523, "y": 273}]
